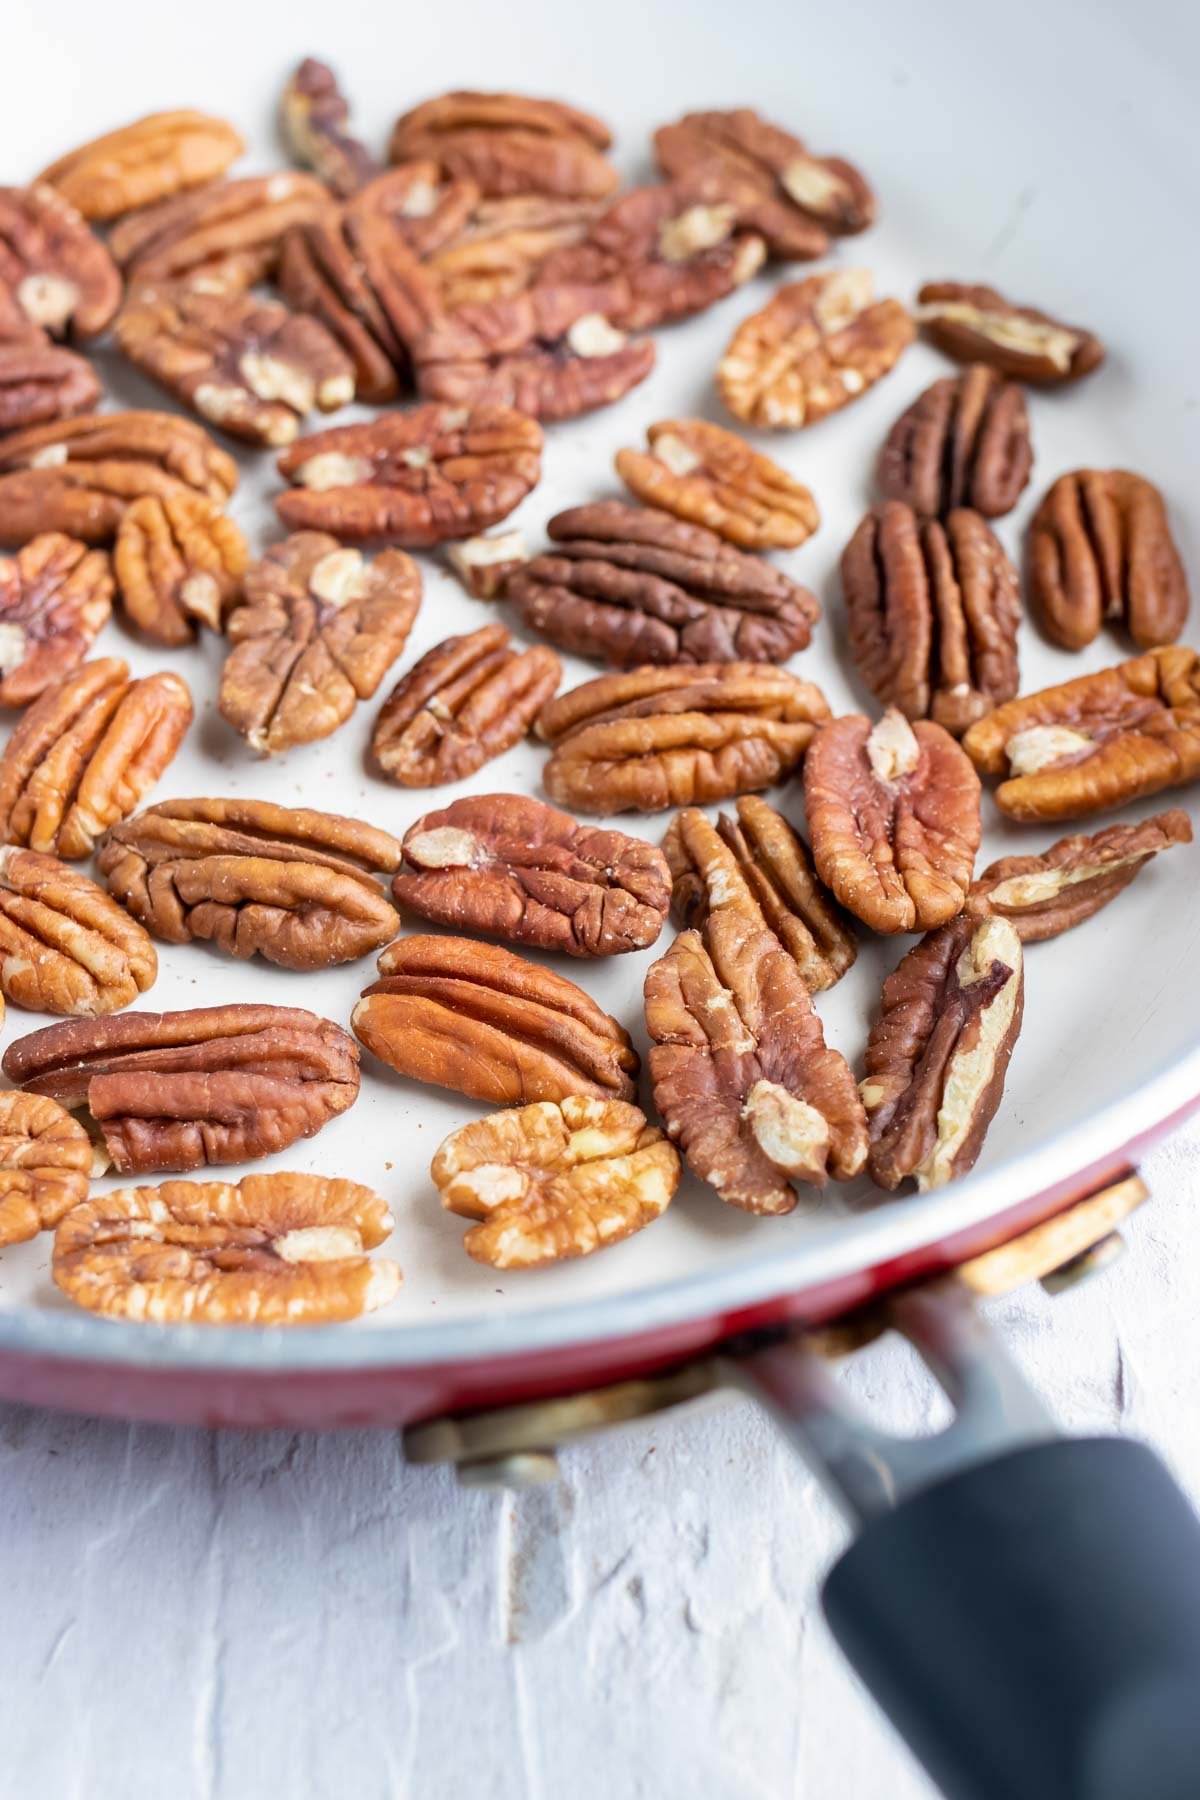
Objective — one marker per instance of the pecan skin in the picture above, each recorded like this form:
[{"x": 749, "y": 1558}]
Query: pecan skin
[
  {"x": 227, "y": 236},
  {"x": 509, "y": 144},
  {"x": 315, "y": 115},
  {"x": 963, "y": 442},
  {"x": 53, "y": 267},
  {"x": 179, "y": 563},
  {"x": 45, "y": 1162},
  {"x": 1101, "y": 548},
  {"x": 178, "y": 1090},
  {"x": 164, "y": 153},
  {"x": 65, "y": 947},
  {"x": 483, "y": 1022},
  {"x": 514, "y": 868},
  {"x": 712, "y": 477},
  {"x": 976, "y": 324},
  {"x": 40, "y": 383},
  {"x": 55, "y": 596}
]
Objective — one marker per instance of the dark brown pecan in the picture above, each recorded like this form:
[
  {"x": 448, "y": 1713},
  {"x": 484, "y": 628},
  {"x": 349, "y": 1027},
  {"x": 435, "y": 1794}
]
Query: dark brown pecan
[
  {"x": 976, "y": 324},
  {"x": 315, "y": 117},
  {"x": 517, "y": 869},
  {"x": 815, "y": 347},
  {"x": 45, "y": 1161},
  {"x": 162, "y": 154},
  {"x": 484, "y": 1022},
  {"x": 509, "y": 144},
  {"x": 40, "y": 382},
  {"x": 484, "y": 564},
  {"x": 632, "y": 585},
  {"x": 54, "y": 268},
  {"x": 1101, "y": 548},
  {"x": 322, "y": 272},
  {"x": 317, "y": 630},
  {"x": 415, "y": 478},
  {"x": 179, "y": 563},
  {"x": 893, "y": 812},
  {"x": 938, "y": 1054},
  {"x": 503, "y": 245},
  {"x": 65, "y": 947},
  {"x": 55, "y": 596},
  {"x": 743, "y": 1079},
  {"x": 933, "y": 609},
  {"x": 227, "y": 236},
  {"x": 1045, "y": 895},
  {"x": 296, "y": 887},
  {"x": 462, "y": 704},
  {"x": 712, "y": 477},
  {"x": 757, "y": 866},
  {"x": 178, "y": 1090},
  {"x": 963, "y": 442}
]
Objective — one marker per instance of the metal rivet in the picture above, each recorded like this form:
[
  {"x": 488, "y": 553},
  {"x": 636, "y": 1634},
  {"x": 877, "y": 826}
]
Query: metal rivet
[
  {"x": 520, "y": 1469},
  {"x": 1089, "y": 1262}
]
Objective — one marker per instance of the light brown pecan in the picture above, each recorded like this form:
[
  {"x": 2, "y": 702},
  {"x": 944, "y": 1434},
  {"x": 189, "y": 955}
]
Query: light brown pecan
[
  {"x": 461, "y": 705},
  {"x": 177, "y": 1090},
  {"x": 298, "y": 888},
  {"x": 317, "y": 630},
  {"x": 315, "y": 117},
  {"x": 55, "y": 596},
  {"x": 963, "y": 442},
  {"x": 504, "y": 243},
  {"x": 179, "y": 563},
  {"x": 1043, "y": 896},
  {"x": 712, "y": 477},
  {"x": 86, "y": 752},
  {"x": 65, "y": 947},
  {"x": 415, "y": 478},
  {"x": 794, "y": 199},
  {"x": 652, "y": 738},
  {"x": 514, "y": 868},
  {"x": 633, "y": 586},
  {"x": 976, "y": 324},
  {"x": 757, "y": 866},
  {"x": 933, "y": 608},
  {"x": 815, "y": 347},
  {"x": 53, "y": 267},
  {"x": 40, "y": 382},
  {"x": 893, "y": 812},
  {"x": 283, "y": 1249},
  {"x": 484, "y": 564},
  {"x": 509, "y": 144},
  {"x": 227, "y": 236},
  {"x": 45, "y": 1161},
  {"x": 555, "y": 1180},
  {"x": 1101, "y": 548},
  {"x": 1097, "y": 741},
  {"x": 165, "y": 153},
  {"x": 938, "y": 1053},
  {"x": 743, "y": 1078}
]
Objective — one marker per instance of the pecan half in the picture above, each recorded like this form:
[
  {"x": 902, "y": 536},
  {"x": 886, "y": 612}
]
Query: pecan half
[
  {"x": 757, "y": 866},
  {"x": 414, "y": 203},
  {"x": 315, "y": 116},
  {"x": 743, "y": 1078},
  {"x": 1045, "y": 895},
  {"x": 893, "y": 812},
  {"x": 1101, "y": 548},
  {"x": 284, "y": 1249},
  {"x": 179, "y": 563},
  {"x": 461, "y": 705},
  {"x": 65, "y": 947},
  {"x": 86, "y": 752},
  {"x": 177, "y": 1090},
  {"x": 1097, "y": 741},
  {"x": 416, "y": 478},
  {"x": 509, "y": 144},
  {"x": 963, "y": 442},
  {"x": 45, "y": 1162},
  {"x": 57, "y": 272},
  {"x": 484, "y": 564},
  {"x": 298, "y": 888},
  {"x": 321, "y": 272},
  {"x": 317, "y": 630},
  {"x": 514, "y": 868},
  {"x": 165, "y": 153},
  {"x": 41, "y": 382},
  {"x": 938, "y": 1054},
  {"x": 484, "y": 1022},
  {"x": 712, "y": 477},
  {"x": 55, "y": 596},
  {"x": 555, "y": 1180},
  {"x": 794, "y": 199},
  {"x": 976, "y": 324},
  {"x": 653, "y": 738},
  {"x": 227, "y": 236},
  {"x": 814, "y": 347},
  {"x": 933, "y": 608},
  {"x": 633, "y": 585},
  {"x": 503, "y": 245}
]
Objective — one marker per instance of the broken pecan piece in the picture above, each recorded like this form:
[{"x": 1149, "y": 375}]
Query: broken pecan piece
[
  {"x": 179, "y": 563},
  {"x": 757, "y": 866},
  {"x": 45, "y": 1162},
  {"x": 963, "y": 442},
  {"x": 40, "y": 382},
  {"x": 86, "y": 752},
  {"x": 53, "y": 267},
  {"x": 933, "y": 608},
  {"x": 938, "y": 1054},
  {"x": 296, "y": 887},
  {"x": 65, "y": 947},
  {"x": 228, "y": 236},
  {"x": 285, "y": 1249},
  {"x": 177, "y": 1090},
  {"x": 893, "y": 812},
  {"x": 555, "y": 1180},
  {"x": 316, "y": 632},
  {"x": 1101, "y": 548},
  {"x": 55, "y": 596},
  {"x": 165, "y": 153},
  {"x": 484, "y": 564},
  {"x": 814, "y": 347},
  {"x": 514, "y": 868},
  {"x": 634, "y": 586},
  {"x": 484, "y": 1022},
  {"x": 509, "y": 144},
  {"x": 743, "y": 1078},
  {"x": 652, "y": 738},
  {"x": 503, "y": 244},
  {"x": 712, "y": 477},
  {"x": 315, "y": 116},
  {"x": 461, "y": 705},
  {"x": 976, "y": 324}
]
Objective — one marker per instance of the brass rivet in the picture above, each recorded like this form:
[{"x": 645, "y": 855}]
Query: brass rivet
[
  {"x": 520, "y": 1469},
  {"x": 1089, "y": 1262}
]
